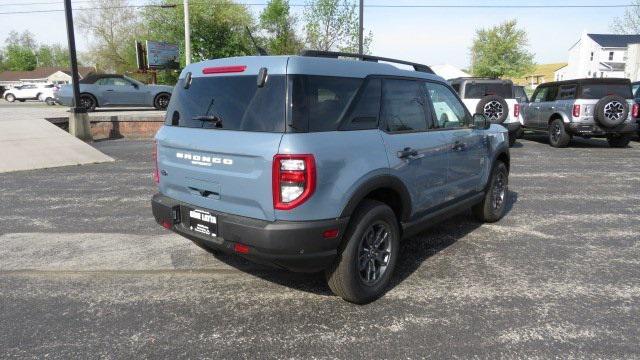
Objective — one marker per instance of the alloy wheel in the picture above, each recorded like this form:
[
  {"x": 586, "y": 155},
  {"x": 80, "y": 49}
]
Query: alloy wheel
[
  {"x": 499, "y": 191},
  {"x": 374, "y": 253},
  {"x": 613, "y": 110},
  {"x": 493, "y": 110}
]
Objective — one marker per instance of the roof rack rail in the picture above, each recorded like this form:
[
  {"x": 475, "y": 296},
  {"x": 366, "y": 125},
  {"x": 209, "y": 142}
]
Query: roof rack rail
[{"x": 336, "y": 54}]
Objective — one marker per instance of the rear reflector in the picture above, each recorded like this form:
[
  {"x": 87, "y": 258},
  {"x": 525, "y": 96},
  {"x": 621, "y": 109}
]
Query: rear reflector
[
  {"x": 516, "y": 110},
  {"x": 576, "y": 110},
  {"x": 635, "y": 110},
  {"x": 330, "y": 234},
  {"x": 241, "y": 248},
  {"x": 167, "y": 224},
  {"x": 224, "y": 69}
]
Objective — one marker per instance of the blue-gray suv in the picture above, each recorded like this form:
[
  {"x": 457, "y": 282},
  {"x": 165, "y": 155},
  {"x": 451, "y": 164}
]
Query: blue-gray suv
[{"x": 317, "y": 163}]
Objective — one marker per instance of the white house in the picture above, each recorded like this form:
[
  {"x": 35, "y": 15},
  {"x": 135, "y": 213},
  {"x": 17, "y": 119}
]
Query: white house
[{"x": 597, "y": 55}]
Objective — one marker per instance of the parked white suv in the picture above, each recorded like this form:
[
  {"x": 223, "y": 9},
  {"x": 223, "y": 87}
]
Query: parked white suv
[
  {"x": 25, "y": 92},
  {"x": 494, "y": 98},
  {"x": 48, "y": 94}
]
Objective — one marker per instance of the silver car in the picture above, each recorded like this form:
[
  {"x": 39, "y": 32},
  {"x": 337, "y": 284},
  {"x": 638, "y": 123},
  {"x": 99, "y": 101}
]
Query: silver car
[
  {"x": 109, "y": 90},
  {"x": 593, "y": 107}
]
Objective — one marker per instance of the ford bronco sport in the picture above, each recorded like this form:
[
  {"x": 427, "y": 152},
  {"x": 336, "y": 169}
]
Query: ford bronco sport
[
  {"x": 494, "y": 98},
  {"x": 593, "y": 107},
  {"x": 315, "y": 163}
]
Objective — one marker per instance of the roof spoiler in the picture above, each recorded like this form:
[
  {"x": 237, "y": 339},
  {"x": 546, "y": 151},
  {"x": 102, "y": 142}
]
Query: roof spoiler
[{"x": 362, "y": 57}]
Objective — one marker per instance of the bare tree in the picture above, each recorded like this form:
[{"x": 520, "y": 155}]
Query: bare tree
[{"x": 629, "y": 23}]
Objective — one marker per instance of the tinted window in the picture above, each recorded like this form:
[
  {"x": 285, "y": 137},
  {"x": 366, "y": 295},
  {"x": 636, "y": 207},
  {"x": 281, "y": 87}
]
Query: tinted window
[
  {"x": 552, "y": 93},
  {"x": 520, "y": 94},
  {"x": 236, "y": 101},
  {"x": 567, "y": 92},
  {"x": 364, "y": 112},
  {"x": 448, "y": 109},
  {"x": 456, "y": 87},
  {"x": 403, "y": 105},
  {"x": 635, "y": 89},
  {"x": 480, "y": 90},
  {"x": 598, "y": 91},
  {"x": 318, "y": 102},
  {"x": 540, "y": 94}
]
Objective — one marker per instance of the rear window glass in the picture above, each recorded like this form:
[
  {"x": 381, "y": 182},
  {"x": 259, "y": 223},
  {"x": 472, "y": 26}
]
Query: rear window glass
[
  {"x": 236, "y": 103},
  {"x": 598, "y": 91},
  {"x": 480, "y": 90},
  {"x": 318, "y": 102}
]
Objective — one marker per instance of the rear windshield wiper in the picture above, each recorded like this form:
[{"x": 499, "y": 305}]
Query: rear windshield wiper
[{"x": 217, "y": 121}]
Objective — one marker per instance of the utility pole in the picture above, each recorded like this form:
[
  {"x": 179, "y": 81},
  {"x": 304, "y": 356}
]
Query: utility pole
[
  {"x": 361, "y": 29},
  {"x": 78, "y": 120},
  {"x": 187, "y": 33}
]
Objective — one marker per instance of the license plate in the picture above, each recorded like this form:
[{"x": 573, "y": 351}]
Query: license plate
[{"x": 203, "y": 222}]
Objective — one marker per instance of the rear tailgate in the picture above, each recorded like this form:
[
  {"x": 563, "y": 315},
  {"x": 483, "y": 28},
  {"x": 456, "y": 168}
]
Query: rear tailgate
[{"x": 226, "y": 171}]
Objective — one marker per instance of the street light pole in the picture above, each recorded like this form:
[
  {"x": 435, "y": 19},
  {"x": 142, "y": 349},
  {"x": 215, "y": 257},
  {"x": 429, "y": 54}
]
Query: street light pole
[
  {"x": 187, "y": 33},
  {"x": 360, "y": 29},
  {"x": 78, "y": 120}
]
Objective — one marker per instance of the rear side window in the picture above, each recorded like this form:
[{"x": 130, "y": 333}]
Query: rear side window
[
  {"x": 598, "y": 91},
  {"x": 319, "y": 102},
  {"x": 235, "y": 101},
  {"x": 403, "y": 105},
  {"x": 366, "y": 107},
  {"x": 567, "y": 92},
  {"x": 480, "y": 90}
]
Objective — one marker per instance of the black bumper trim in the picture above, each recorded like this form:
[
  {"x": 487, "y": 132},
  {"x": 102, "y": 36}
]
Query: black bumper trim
[
  {"x": 596, "y": 130},
  {"x": 293, "y": 245}
]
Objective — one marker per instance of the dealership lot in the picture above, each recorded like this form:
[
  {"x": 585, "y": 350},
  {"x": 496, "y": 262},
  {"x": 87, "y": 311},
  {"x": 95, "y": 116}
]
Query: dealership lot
[{"x": 85, "y": 272}]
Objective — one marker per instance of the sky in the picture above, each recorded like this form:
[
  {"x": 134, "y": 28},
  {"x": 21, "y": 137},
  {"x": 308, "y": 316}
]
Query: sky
[{"x": 425, "y": 35}]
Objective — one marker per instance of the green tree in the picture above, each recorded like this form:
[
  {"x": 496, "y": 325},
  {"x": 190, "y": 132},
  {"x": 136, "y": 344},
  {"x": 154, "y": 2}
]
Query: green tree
[
  {"x": 19, "y": 58},
  {"x": 279, "y": 24},
  {"x": 333, "y": 25},
  {"x": 501, "y": 51},
  {"x": 52, "y": 55},
  {"x": 629, "y": 23},
  {"x": 218, "y": 28},
  {"x": 112, "y": 28}
]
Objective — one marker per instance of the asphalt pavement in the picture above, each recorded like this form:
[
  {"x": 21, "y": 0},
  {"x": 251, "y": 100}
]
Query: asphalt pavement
[{"x": 86, "y": 273}]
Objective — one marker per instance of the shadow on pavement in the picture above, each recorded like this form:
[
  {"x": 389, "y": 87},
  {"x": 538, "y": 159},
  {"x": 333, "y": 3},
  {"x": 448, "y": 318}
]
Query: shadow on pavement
[
  {"x": 413, "y": 252},
  {"x": 576, "y": 142}
]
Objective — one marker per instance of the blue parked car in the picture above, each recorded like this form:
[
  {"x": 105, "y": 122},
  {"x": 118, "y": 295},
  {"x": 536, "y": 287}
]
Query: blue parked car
[
  {"x": 110, "y": 90},
  {"x": 315, "y": 163}
]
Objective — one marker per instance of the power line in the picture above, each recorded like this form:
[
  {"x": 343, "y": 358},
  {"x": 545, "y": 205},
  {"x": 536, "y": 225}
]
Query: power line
[{"x": 408, "y": 6}]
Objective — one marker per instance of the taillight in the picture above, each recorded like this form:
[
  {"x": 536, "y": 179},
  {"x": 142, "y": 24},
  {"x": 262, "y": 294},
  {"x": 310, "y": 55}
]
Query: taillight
[
  {"x": 576, "y": 110},
  {"x": 516, "y": 110},
  {"x": 635, "y": 110},
  {"x": 294, "y": 180},
  {"x": 156, "y": 174}
]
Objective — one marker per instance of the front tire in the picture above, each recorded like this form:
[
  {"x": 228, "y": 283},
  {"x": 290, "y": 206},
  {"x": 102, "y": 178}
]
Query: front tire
[
  {"x": 161, "y": 101},
  {"x": 558, "y": 136},
  {"x": 88, "y": 102},
  {"x": 494, "y": 204},
  {"x": 10, "y": 98},
  {"x": 618, "y": 141},
  {"x": 363, "y": 269}
]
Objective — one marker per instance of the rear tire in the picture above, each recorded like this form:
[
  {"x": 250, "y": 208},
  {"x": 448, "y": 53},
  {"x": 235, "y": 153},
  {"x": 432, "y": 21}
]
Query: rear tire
[
  {"x": 558, "y": 136},
  {"x": 161, "y": 101},
  {"x": 618, "y": 141},
  {"x": 10, "y": 98},
  {"x": 494, "y": 204},
  {"x": 363, "y": 268},
  {"x": 512, "y": 139},
  {"x": 88, "y": 102},
  {"x": 50, "y": 101}
]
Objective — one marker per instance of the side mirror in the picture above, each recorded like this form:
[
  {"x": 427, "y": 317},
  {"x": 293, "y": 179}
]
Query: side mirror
[{"x": 481, "y": 122}]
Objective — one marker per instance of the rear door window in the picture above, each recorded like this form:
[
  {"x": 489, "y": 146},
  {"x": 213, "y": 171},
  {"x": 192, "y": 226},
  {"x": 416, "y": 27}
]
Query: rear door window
[
  {"x": 480, "y": 90},
  {"x": 403, "y": 105},
  {"x": 598, "y": 91},
  {"x": 319, "y": 102},
  {"x": 229, "y": 103},
  {"x": 552, "y": 93}
]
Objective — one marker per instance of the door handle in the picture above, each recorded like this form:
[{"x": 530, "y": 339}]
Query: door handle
[
  {"x": 407, "y": 152},
  {"x": 109, "y": 90},
  {"x": 459, "y": 146}
]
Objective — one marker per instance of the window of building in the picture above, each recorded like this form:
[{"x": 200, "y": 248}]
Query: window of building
[{"x": 610, "y": 55}]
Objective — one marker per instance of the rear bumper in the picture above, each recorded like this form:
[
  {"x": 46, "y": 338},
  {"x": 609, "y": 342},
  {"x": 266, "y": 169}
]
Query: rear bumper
[
  {"x": 596, "y": 130},
  {"x": 293, "y": 245},
  {"x": 513, "y": 127}
]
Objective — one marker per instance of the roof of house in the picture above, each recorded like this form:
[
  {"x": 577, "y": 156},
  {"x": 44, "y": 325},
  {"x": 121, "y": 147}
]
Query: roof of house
[
  {"x": 614, "y": 40},
  {"x": 42, "y": 72}
]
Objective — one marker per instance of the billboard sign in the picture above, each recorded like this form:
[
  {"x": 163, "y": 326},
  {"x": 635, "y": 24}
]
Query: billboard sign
[{"x": 162, "y": 55}]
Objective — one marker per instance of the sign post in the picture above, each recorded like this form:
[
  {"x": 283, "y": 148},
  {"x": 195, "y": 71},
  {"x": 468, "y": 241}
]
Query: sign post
[{"x": 78, "y": 120}]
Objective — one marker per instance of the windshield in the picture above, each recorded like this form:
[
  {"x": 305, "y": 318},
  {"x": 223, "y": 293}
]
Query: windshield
[
  {"x": 598, "y": 91},
  {"x": 235, "y": 102},
  {"x": 480, "y": 90}
]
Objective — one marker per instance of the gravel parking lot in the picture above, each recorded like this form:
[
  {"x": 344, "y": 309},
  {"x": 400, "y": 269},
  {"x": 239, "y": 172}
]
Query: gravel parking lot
[{"x": 86, "y": 273}]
